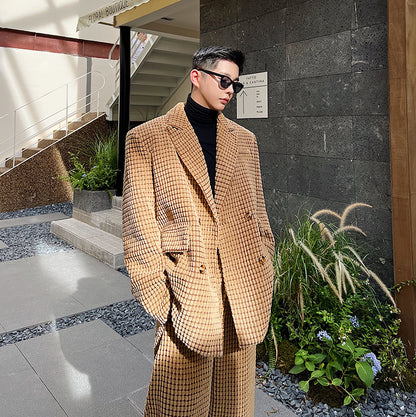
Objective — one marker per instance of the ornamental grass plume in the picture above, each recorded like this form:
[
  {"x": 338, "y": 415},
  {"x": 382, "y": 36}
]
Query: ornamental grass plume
[{"x": 311, "y": 256}]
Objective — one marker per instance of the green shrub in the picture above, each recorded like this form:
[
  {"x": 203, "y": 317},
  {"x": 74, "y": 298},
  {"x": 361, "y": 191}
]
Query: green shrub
[{"x": 100, "y": 172}]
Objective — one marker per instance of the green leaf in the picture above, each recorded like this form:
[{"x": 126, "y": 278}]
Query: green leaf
[
  {"x": 357, "y": 393},
  {"x": 297, "y": 369},
  {"x": 358, "y": 412},
  {"x": 360, "y": 352},
  {"x": 317, "y": 357},
  {"x": 317, "y": 374},
  {"x": 304, "y": 385},
  {"x": 347, "y": 345},
  {"x": 365, "y": 372},
  {"x": 310, "y": 366},
  {"x": 337, "y": 382},
  {"x": 323, "y": 381},
  {"x": 347, "y": 400},
  {"x": 298, "y": 360},
  {"x": 336, "y": 365}
]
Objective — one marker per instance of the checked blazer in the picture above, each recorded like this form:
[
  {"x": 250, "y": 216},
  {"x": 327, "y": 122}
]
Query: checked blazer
[{"x": 177, "y": 237}]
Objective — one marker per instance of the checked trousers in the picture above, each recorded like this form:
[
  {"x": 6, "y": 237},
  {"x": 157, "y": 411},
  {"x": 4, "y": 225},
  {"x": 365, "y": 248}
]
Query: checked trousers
[{"x": 186, "y": 384}]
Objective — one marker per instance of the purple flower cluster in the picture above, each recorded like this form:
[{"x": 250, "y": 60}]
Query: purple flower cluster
[
  {"x": 354, "y": 322},
  {"x": 375, "y": 363},
  {"x": 323, "y": 335}
]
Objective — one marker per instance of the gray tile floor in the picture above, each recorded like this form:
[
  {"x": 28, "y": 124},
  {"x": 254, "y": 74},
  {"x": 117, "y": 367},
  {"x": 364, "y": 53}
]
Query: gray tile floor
[{"x": 82, "y": 371}]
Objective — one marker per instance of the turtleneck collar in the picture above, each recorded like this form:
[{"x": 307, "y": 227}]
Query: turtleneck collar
[{"x": 199, "y": 114}]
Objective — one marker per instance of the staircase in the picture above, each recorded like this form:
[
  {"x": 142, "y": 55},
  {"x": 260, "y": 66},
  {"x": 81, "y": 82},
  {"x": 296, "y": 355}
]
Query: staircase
[
  {"x": 44, "y": 143},
  {"x": 160, "y": 68},
  {"x": 98, "y": 233}
]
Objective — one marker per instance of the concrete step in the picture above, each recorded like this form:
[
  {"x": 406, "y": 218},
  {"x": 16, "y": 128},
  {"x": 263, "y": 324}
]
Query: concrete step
[
  {"x": 107, "y": 220},
  {"x": 59, "y": 134},
  {"x": 17, "y": 161},
  {"x": 44, "y": 143},
  {"x": 87, "y": 117},
  {"x": 75, "y": 125},
  {"x": 117, "y": 202},
  {"x": 103, "y": 246},
  {"x": 26, "y": 153}
]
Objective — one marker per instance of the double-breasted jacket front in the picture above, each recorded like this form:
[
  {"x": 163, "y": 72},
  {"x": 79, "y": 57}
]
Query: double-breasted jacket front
[{"x": 174, "y": 231}]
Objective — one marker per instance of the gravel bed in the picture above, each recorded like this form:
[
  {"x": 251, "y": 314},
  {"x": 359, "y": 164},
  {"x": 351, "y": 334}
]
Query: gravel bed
[
  {"x": 379, "y": 403},
  {"x": 126, "y": 318},
  {"x": 33, "y": 239},
  {"x": 30, "y": 240},
  {"x": 65, "y": 208}
]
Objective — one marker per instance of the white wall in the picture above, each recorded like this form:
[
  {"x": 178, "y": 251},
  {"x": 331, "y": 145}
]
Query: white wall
[
  {"x": 26, "y": 74},
  {"x": 55, "y": 17}
]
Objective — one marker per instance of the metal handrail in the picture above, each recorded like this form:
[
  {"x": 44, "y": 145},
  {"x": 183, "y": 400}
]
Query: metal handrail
[
  {"x": 71, "y": 109},
  {"x": 138, "y": 43}
]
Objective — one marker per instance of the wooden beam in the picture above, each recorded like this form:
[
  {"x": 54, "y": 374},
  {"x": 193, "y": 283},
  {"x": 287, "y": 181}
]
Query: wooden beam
[
  {"x": 168, "y": 29},
  {"x": 125, "y": 18},
  {"x": 402, "y": 88}
]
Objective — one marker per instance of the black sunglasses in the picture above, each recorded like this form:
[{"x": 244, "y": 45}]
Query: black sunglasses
[{"x": 225, "y": 81}]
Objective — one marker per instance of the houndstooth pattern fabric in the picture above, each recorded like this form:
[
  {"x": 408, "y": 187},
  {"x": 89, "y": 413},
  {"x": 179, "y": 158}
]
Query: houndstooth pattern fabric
[{"x": 173, "y": 230}]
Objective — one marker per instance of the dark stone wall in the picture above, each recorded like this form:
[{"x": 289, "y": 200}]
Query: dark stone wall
[{"x": 326, "y": 141}]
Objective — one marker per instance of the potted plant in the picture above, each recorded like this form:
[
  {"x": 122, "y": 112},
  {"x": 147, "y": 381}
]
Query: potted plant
[{"x": 94, "y": 182}]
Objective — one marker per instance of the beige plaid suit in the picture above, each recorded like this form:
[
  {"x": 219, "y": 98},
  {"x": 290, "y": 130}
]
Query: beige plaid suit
[{"x": 188, "y": 253}]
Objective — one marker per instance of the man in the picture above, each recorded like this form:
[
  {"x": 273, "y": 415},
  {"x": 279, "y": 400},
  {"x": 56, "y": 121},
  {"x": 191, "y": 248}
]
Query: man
[{"x": 198, "y": 246}]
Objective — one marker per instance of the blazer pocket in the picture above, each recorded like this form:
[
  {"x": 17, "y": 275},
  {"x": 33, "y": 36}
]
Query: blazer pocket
[{"x": 174, "y": 238}]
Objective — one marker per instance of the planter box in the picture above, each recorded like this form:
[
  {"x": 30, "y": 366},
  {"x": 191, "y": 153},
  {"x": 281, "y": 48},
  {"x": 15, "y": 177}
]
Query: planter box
[{"x": 91, "y": 201}]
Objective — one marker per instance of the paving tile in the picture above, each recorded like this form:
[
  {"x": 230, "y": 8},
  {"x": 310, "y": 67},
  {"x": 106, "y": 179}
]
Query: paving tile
[
  {"x": 122, "y": 407},
  {"x": 144, "y": 341},
  {"x": 22, "y": 393},
  {"x": 12, "y": 361},
  {"x": 41, "y": 218},
  {"x": 76, "y": 339},
  {"x": 87, "y": 373},
  {"x": 38, "y": 308},
  {"x": 56, "y": 285},
  {"x": 138, "y": 398}
]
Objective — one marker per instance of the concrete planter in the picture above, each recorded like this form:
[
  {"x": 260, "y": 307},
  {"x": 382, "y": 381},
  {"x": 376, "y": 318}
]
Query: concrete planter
[{"x": 91, "y": 201}]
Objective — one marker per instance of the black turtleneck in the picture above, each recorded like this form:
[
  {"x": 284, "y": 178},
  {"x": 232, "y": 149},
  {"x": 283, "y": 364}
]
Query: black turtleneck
[{"x": 204, "y": 122}]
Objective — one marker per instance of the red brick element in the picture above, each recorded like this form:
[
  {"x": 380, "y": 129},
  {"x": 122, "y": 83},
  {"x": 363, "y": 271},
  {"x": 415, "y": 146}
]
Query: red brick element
[{"x": 20, "y": 39}]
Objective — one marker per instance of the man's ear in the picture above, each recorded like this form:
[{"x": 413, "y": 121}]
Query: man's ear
[{"x": 195, "y": 77}]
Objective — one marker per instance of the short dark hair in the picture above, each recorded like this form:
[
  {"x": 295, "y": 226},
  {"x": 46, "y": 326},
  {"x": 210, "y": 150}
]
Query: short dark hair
[{"x": 207, "y": 57}]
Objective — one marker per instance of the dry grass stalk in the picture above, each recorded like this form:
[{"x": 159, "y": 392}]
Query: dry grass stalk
[
  {"x": 326, "y": 211},
  {"x": 321, "y": 269},
  {"x": 276, "y": 346},
  {"x": 348, "y": 210},
  {"x": 324, "y": 230},
  {"x": 301, "y": 304},
  {"x": 350, "y": 227}
]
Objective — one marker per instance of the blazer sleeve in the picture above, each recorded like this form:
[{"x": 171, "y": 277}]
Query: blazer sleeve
[
  {"x": 264, "y": 225},
  {"x": 141, "y": 233}
]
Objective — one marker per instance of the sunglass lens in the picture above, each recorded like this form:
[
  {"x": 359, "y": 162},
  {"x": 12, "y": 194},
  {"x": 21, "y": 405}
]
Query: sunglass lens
[
  {"x": 225, "y": 82},
  {"x": 237, "y": 87}
]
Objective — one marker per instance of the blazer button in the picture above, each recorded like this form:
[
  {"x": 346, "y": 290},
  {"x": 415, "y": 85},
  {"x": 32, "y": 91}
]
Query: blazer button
[
  {"x": 249, "y": 215},
  {"x": 262, "y": 259},
  {"x": 202, "y": 269}
]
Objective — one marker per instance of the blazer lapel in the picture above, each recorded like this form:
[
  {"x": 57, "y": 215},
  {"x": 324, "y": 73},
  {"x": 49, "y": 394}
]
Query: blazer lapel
[
  {"x": 226, "y": 158},
  {"x": 190, "y": 152}
]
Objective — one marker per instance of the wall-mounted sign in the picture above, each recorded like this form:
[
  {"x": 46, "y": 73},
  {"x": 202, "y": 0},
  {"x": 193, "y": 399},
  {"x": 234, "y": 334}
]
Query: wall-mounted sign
[{"x": 252, "y": 99}]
